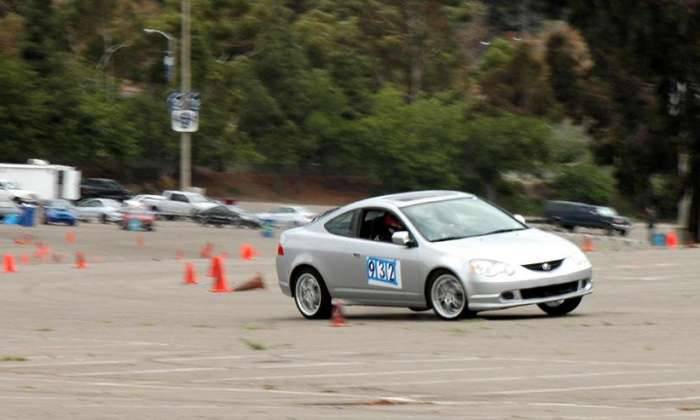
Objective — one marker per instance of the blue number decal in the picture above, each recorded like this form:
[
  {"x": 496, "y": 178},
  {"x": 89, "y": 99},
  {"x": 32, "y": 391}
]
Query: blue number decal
[{"x": 384, "y": 272}]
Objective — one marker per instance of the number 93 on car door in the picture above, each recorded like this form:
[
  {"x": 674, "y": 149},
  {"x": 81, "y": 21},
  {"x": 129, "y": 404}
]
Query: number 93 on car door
[{"x": 384, "y": 272}]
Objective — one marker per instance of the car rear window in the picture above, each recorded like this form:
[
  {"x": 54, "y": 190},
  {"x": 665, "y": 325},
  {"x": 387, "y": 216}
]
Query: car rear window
[{"x": 342, "y": 225}]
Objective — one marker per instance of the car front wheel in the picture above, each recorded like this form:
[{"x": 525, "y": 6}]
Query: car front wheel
[
  {"x": 448, "y": 297},
  {"x": 560, "y": 307},
  {"x": 311, "y": 295}
]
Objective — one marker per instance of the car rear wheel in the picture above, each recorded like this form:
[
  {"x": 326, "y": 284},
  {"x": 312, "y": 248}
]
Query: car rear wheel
[
  {"x": 560, "y": 307},
  {"x": 311, "y": 295},
  {"x": 103, "y": 219},
  {"x": 448, "y": 297}
]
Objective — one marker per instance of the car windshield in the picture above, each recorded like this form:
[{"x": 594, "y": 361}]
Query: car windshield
[
  {"x": 59, "y": 204},
  {"x": 607, "y": 211},
  {"x": 458, "y": 219}
]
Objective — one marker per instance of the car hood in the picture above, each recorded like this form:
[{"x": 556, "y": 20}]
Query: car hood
[{"x": 520, "y": 247}]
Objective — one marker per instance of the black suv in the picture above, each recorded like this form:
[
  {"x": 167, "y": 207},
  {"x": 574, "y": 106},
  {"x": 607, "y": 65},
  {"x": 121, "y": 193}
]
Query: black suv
[
  {"x": 570, "y": 215},
  {"x": 103, "y": 188}
]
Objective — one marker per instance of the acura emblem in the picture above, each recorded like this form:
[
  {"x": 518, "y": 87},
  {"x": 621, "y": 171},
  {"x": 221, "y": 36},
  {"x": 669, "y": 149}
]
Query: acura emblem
[{"x": 546, "y": 267}]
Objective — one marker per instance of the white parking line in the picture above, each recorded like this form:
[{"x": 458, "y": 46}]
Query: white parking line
[
  {"x": 74, "y": 363},
  {"x": 346, "y": 374},
  {"x": 516, "y": 378},
  {"x": 674, "y": 399},
  {"x": 143, "y": 372},
  {"x": 589, "y": 388}
]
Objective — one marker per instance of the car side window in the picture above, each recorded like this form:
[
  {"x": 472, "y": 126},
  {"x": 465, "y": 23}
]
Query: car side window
[
  {"x": 179, "y": 197},
  {"x": 342, "y": 225}
]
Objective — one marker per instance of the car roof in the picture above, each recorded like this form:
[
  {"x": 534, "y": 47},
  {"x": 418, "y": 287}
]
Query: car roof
[{"x": 412, "y": 198}]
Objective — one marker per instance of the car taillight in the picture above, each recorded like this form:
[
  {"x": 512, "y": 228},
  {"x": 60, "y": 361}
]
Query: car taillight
[{"x": 280, "y": 250}]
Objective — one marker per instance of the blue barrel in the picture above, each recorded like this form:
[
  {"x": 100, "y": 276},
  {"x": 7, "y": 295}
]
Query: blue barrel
[
  {"x": 658, "y": 239},
  {"x": 27, "y": 218}
]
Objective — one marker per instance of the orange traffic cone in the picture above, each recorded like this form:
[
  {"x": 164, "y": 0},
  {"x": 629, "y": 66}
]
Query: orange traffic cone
[
  {"x": 587, "y": 244},
  {"x": 254, "y": 283},
  {"x": 212, "y": 268},
  {"x": 672, "y": 240},
  {"x": 25, "y": 259},
  {"x": 139, "y": 241},
  {"x": 80, "y": 261},
  {"x": 248, "y": 253},
  {"x": 190, "y": 275},
  {"x": 10, "y": 266},
  {"x": 42, "y": 251},
  {"x": 220, "y": 285},
  {"x": 207, "y": 250},
  {"x": 70, "y": 237},
  {"x": 337, "y": 317}
]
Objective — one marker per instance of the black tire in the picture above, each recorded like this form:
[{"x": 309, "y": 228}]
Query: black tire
[
  {"x": 570, "y": 228},
  {"x": 459, "y": 314},
  {"x": 325, "y": 306},
  {"x": 561, "y": 309},
  {"x": 623, "y": 232},
  {"x": 103, "y": 219},
  {"x": 417, "y": 309},
  {"x": 46, "y": 221}
]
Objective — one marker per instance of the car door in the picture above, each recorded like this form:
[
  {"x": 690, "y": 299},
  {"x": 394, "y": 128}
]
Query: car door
[
  {"x": 180, "y": 204},
  {"x": 87, "y": 209},
  {"x": 385, "y": 273}
]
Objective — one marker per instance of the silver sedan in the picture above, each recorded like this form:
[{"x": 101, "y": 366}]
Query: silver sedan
[{"x": 445, "y": 250}]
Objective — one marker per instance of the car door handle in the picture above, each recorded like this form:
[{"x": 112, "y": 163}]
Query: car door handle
[{"x": 356, "y": 255}]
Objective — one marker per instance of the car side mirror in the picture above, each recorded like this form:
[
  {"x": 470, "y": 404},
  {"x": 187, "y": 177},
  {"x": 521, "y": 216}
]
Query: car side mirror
[
  {"x": 402, "y": 238},
  {"x": 520, "y": 219}
]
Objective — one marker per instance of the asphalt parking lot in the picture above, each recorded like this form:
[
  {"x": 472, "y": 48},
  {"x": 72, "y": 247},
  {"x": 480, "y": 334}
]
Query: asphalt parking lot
[{"x": 125, "y": 338}]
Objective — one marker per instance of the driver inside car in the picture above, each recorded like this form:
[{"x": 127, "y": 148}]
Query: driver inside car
[{"x": 386, "y": 228}]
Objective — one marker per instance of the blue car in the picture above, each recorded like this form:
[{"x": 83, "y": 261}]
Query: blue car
[{"x": 60, "y": 211}]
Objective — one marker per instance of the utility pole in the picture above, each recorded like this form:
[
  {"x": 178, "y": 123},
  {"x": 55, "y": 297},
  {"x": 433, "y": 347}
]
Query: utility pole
[{"x": 186, "y": 82}]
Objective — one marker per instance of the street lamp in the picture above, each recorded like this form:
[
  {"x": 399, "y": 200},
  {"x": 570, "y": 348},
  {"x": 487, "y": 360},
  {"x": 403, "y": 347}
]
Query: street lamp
[
  {"x": 169, "y": 60},
  {"x": 185, "y": 86}
]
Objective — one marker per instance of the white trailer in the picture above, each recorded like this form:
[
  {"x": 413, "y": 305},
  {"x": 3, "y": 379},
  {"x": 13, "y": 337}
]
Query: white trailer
[{"x": 41, "y": 179}]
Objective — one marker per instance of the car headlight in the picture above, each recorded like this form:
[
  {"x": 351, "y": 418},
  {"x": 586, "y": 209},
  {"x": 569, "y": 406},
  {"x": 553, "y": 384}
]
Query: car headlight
[
  {"x": 580, "y": 260},
  {"x": 490, "y": 268}
]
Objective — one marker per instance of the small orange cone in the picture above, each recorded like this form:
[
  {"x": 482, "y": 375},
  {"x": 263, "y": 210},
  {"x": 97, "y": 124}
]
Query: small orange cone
[
  {"x": 70, "y": 237},
  {"x": 220, "y": 284},
  {"x": 25, "y": 259},
  {"x": 587, "y": 244},
  {"x": 212, "y": 268},
  {"x": 337, "y": 317},
  {"x": 42, "y": 251},
  {"x": 10, "y": 266},
  {"x": 248, "y": 253},
  {"x": 190, "y": 275},
  {"x": 80, "y": 260},
  {"x": 139, "y": 241},
  {"x": 672, "y": 240},
  {"x": 207, "y": 250},
  {"x": 254, "y": 283}
]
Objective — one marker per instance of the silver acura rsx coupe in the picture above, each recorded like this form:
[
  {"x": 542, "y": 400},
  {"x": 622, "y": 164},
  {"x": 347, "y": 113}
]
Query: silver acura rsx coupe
[{"x": 445, "y": 250}]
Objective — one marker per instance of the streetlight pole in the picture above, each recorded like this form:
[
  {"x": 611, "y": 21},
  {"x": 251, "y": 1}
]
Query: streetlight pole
[{"x": 186, "y": 82}]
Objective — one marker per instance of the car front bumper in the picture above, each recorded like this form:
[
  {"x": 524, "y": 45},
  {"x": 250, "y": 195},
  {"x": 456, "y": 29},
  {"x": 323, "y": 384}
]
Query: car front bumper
[{"x": 487, "y": 295}]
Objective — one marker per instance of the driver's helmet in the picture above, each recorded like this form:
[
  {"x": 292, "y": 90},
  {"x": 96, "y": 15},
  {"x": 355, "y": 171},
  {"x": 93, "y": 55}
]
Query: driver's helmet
[{"x": 392, "y": 222}]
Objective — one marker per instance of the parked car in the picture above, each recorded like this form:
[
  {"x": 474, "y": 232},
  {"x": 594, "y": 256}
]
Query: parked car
[
  {"x": 16, "y": 193},
  {"x": 443, "y": 250},
  {"x": 174, "y": 204},
  {"x": 570, "y": 215},
  {"x": 227, "y": 215},
  {"x": 103, "y": 210},
  {"x": 143, "y": 219},
  {"x": 286, "y": 216},
  {"x": 59, "y": 212},
  {"x": 103, "y": 188}
]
